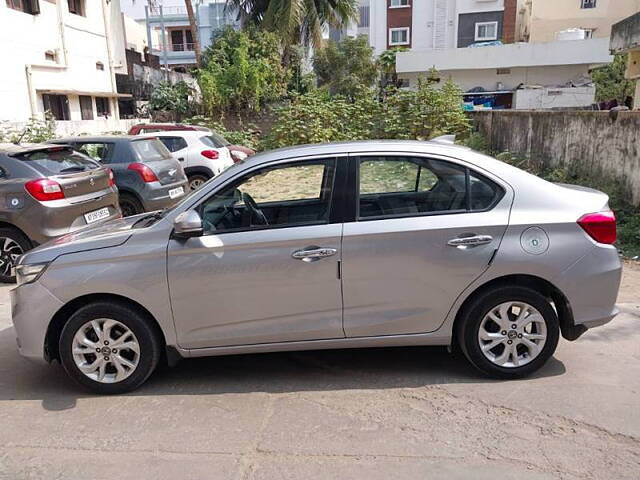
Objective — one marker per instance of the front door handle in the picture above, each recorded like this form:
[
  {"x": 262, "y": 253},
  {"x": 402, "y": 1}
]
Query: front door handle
[
  {"x": 471, "y": 241},
  {"x": 181, "y": 159},
  {"x": 311, "y": 254}
]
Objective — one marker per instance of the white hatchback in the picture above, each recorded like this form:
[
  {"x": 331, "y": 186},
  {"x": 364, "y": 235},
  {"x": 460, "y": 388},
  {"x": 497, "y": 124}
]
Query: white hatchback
[{"x": 201, "y": 154}]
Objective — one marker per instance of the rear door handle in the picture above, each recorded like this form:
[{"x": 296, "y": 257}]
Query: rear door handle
[
  {"x": 181, "y": 159},
  {"x": 311, "y": 254},
  {"x": 472, "y": 241}
]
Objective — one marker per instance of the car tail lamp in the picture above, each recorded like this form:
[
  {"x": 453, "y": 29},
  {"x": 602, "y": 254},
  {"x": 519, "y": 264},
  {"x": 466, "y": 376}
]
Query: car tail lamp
[
  {"x": 112, "y": 181},
  {"x": 44, "y": 189},
  {"x": 210, "y": 154},
  {"x": 601, "y": 226},
  {"x": 144, "y": 171}
]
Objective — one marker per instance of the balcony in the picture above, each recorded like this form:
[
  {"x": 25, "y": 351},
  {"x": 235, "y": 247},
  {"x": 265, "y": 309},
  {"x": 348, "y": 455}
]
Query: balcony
[
  {"x": 177, "y": 53},
  {"x": 174, "y": 14}
]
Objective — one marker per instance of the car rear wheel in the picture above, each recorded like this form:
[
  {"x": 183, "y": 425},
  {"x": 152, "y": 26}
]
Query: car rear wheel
[
  {"x": 12, "y": 244},
  {"x": 109, "y": 348},
  {"x": 197, "y": 180},
  {"x": 509, "y": 332},
  {"x": 130, "y": 205}
]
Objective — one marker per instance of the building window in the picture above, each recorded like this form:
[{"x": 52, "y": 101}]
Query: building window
[
  {"x": 588, "y": 32},
  {"x": 31, "y": 7},
  {"x": 86, "y": 107},
  {"x": 399, "y": 36},
  {"x": 503, "y": 71},
  {"x": 99, "y": 66},
  {"x": 181, "y": 40},
  {"x": 363, "y": 18},
  {"x": 50, "y": 56},
  {"x": 588, "y": 4},
  {"x": 76, "y": 7},
  {"x": 103, "y": 106},
  {"x": 58, "y": 105},
  {"x": 399, "y": 3},
  {"x": 486, "y": 31}
]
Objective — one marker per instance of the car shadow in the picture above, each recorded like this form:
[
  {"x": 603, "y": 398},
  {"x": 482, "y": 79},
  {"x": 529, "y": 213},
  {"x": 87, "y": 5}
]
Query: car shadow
[{"x": 322, "y": 370}]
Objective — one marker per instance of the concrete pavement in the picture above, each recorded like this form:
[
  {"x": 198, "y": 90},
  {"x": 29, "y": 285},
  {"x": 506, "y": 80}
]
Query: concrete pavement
[{"x": 394, "y": 413}]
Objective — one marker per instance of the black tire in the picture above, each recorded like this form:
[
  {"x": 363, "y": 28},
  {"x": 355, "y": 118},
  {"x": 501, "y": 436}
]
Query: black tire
[
  {"x": 130, "y": 205},
  {"x": 196, "y": 180},
  {"x": 147, "y": 338},
  {"x": 471, "y": 321},
  {"x": 16, "y": 244}
]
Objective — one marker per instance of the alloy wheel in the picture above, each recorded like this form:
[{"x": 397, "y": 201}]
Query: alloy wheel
[
  {"x": 106, "y": 350},
  {"x": 196, "y": 183},
  {"x": 512, "y": 334},
  {"x": 10, "y": 250}
]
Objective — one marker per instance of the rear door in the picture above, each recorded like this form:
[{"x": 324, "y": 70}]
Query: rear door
[
  {"x": 155, "y": 155},
  {"x": 176, "y": 145},
  {"x": 425, "y": 229}
]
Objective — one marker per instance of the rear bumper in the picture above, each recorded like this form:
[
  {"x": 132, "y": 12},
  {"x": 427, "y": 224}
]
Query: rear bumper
[
  {"x": 156, "y": 196},
  {"x": 32, "y": 308},
  {"x": 591, "y": 287}
]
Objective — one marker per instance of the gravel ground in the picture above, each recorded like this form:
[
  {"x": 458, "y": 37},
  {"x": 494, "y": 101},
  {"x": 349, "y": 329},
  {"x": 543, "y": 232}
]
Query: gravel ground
[{"x": 393, "y": 413}]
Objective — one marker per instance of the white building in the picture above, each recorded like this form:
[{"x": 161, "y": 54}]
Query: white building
[{"x": 62, "y": 57}]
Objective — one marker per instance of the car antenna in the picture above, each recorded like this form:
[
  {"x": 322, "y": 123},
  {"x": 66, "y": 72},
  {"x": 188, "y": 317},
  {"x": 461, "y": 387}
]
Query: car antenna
[{"x": 24, "y": 132}]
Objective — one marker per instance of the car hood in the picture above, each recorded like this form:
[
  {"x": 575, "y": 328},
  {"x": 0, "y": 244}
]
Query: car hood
[{"x": 109, "y": 234}]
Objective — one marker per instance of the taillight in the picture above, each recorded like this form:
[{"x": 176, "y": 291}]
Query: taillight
[
  {"x": 144, "y": 171},
  {"x": 601, "y": 226},
  {"x": 44, "y": 189},
  {"x": 112, "y": 182},
  {"x": 210, "y": 154}
]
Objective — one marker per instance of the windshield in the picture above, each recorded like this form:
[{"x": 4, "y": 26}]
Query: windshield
[
  {"x": 58, "y": 161},
  {"x": 214, "y": 140},
  {"x": 150, "y": 149}
]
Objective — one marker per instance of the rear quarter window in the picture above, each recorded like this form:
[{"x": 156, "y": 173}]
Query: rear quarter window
[
  {"x": 57, "y": 162},
  {"x": 214, "y": 140},
  {"x": 149, "y": 150}
]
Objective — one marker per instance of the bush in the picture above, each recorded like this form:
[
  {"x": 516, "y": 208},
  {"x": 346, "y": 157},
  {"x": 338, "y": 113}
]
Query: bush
[
  {"x": 172, "y": 98},
  {"x": 35, "y": 131},
  {"x": 249, "y": 137}
]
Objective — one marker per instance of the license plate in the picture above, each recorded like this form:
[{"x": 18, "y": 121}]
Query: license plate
[
  {"x": 176, "y": 192},
  {"x": 96, "y": 215}
]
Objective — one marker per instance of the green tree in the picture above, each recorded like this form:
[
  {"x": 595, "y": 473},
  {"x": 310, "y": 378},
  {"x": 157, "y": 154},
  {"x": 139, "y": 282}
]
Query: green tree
[
  {"x": 242, "y": 70},
  {"x": 296, "y": 21},
  {"x": 175, "y": 98},
  {"x": 610, "y": 81},
  {"x": 387, "y": 62},
  {"x": 346, "y": 66}
]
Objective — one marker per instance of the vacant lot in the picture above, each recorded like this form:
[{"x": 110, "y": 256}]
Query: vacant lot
[{"x": 375, "y": 414}]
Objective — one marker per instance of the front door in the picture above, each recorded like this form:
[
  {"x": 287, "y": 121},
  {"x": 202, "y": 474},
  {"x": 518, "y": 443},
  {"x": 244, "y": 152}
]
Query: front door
[
  {"x": 425, "y": 229},
  {"x": 266, "y": 269}
]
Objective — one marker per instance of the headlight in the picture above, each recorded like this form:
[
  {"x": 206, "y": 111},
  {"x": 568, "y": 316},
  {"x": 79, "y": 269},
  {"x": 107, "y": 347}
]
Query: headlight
[
  {"x": 239, "y": 155},
  {"x": 29, "y": 273}
]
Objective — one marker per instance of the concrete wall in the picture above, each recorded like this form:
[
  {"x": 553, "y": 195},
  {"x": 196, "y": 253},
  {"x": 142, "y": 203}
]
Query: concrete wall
[
  {"x": 79, "y": 127},
  {"x": 592, "y": 143}
]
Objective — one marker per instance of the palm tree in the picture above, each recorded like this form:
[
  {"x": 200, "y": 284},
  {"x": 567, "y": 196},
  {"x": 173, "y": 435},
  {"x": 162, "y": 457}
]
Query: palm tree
[{"x": 298, "y": 21}]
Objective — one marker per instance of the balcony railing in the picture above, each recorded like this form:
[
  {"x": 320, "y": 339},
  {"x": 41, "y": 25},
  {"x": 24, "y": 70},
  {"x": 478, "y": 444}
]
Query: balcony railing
[
  {"x": 176, "y": 47},
  {"x": 167, "y": 11}
]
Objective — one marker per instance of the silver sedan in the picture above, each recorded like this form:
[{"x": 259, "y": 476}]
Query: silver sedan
[{"x": 366, "y": 244}]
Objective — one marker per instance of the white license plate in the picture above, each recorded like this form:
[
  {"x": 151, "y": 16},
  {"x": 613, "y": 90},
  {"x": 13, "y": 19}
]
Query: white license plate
[
  {"x": 176, "y": 192},
  {"x": 96, "y": 215}
]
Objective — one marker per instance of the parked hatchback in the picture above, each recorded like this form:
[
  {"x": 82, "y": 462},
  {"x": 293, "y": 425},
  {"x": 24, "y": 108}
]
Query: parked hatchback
[
  {"x": 364, "y": 244},
  {"x": 147, "y": 176},
  {"x": 238, "y": 152},
  {"x": 202, "y": 154},
  {"x": 46, "y": 192}
]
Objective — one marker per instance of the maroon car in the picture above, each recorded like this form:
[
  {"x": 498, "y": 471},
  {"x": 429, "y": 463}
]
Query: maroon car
[{"x": 238, "y": 152}]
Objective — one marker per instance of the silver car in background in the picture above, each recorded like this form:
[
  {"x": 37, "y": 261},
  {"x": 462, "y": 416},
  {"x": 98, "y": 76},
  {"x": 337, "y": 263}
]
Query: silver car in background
[{"x": 365, "y": 244}]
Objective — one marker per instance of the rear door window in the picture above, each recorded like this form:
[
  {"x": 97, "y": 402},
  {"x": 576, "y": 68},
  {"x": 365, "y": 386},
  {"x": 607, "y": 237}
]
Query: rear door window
[
  {"x": 214, "y": 140},
  {"x": 150, "y": 149},
  {"x": 98, "y": 151},
  {"x": 58, "y": 161},
  {"x": 173, "y": 144}
]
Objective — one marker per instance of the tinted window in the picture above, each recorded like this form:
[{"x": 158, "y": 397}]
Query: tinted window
[
  {"x": 402, "y": 186},
  {"x": 97, "y": 151},
  {"x": 214, "y": 140},
  {"x": 173, "y": 144},
  {"x": 150, "y": 149},
  {"x": 54, "y": 162},
  {"x": 286, "y": 195}
]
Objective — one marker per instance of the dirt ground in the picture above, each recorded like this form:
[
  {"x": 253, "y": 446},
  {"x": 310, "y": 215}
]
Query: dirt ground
[{"x": 411, "y": 413}]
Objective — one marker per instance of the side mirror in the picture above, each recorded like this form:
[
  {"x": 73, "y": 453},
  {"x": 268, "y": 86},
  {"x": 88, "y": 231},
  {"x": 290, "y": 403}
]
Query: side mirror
[{"x": 188, "y": 224}]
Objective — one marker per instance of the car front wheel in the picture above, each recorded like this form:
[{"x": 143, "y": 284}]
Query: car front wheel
[
  {"x": 509, "y": 332},
  {"x": 109, "y": 347}
]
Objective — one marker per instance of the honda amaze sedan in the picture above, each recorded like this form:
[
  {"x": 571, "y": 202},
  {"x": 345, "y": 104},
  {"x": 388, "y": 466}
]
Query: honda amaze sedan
[{"x": 364, "y": 244}]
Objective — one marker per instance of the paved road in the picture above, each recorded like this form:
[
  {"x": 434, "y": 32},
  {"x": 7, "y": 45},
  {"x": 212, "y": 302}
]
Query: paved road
[{"x": 374, "y": 414}]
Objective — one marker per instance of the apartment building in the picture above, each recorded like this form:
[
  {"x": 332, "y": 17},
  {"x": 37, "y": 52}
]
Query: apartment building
[
  {"x": 62, "y": 56},
  {"x": 168, "y": 32},
  {"x": 433, "y": 24},
  {"x": 544, "y": 20}
]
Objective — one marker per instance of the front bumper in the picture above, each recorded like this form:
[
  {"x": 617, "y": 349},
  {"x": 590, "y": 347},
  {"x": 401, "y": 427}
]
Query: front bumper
[{"x": 32, "y": 308}]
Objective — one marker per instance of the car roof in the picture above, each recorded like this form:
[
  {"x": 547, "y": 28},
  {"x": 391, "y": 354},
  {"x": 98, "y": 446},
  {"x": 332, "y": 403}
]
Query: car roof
[
  {"x": 103, "y": 138},
  {"x": 181, "y": 133}
]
